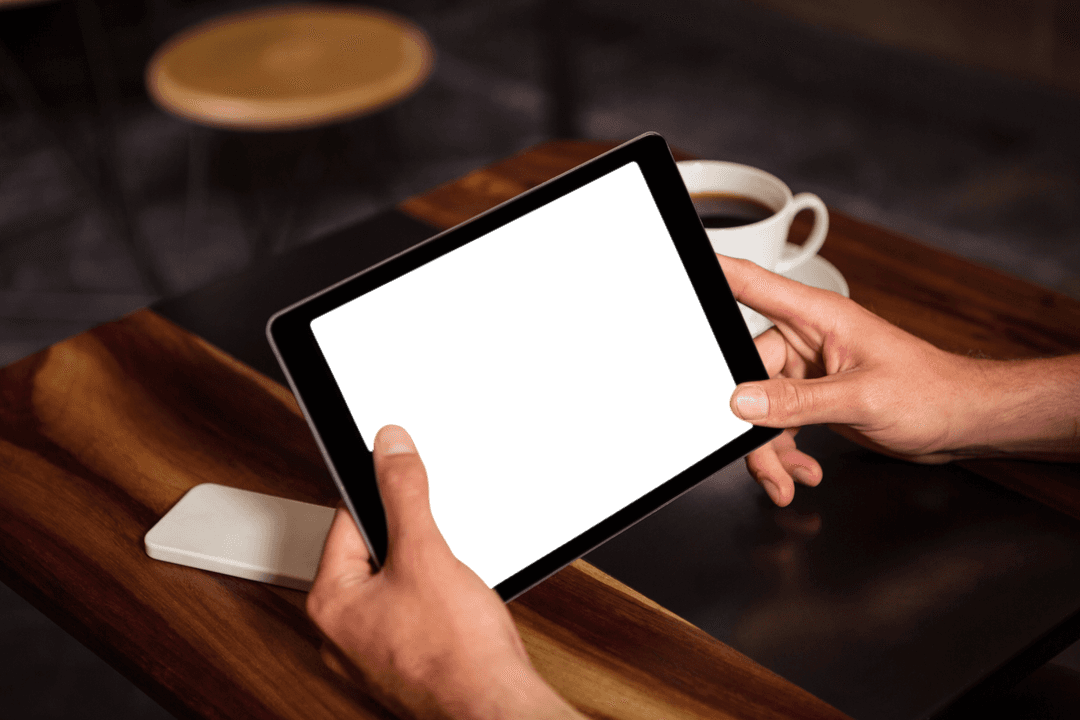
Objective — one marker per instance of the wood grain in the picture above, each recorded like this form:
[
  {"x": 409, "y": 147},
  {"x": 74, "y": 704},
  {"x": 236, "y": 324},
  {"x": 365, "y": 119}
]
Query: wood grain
[
  {"x": 102, "y": 433},
  {"x": 587, "y": 633}
]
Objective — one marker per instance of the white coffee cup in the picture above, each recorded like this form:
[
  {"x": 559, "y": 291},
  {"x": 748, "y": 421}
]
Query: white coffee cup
[{"x": 763, "y": 241}]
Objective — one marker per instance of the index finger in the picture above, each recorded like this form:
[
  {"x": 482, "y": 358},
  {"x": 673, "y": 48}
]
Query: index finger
[
  {"x": 345, "y": 554},
  {"x": 776, "y": 297}
]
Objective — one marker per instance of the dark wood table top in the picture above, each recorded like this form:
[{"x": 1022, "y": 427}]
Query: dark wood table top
[{"x": 102, "y": 433}]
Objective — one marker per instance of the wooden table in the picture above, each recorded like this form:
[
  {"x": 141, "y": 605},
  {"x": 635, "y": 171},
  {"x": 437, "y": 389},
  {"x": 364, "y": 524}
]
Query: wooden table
[{"x": 102, "y": 433}]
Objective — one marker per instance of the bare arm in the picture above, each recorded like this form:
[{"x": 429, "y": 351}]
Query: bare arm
[{"x": 1029, "y": 409}]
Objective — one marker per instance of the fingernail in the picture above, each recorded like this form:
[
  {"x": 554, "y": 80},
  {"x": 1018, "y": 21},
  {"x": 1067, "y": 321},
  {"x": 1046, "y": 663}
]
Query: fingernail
[
  {"x": 751, "y": 402},
  {"x": 393, "y": 440},
  {"x": 803, "y": 475}
]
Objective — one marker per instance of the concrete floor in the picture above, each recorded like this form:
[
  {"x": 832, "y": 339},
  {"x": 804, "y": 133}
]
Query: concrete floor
[{"x": 983, "y": 166}]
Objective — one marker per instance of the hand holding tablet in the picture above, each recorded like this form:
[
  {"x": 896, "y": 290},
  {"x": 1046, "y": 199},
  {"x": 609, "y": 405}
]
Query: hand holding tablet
[
  {"x": 585, "y": 326},
  {"x": 425, "y": 634}
]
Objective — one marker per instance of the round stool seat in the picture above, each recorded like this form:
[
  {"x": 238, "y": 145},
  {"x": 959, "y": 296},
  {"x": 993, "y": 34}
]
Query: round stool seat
[{"x": 289, "y": 67}]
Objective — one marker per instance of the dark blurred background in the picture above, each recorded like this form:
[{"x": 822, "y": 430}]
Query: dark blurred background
[{"x": 953, "y": 121}]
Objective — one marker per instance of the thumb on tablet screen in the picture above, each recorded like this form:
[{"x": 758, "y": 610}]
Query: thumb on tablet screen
[{"x": 403, "y": 485}]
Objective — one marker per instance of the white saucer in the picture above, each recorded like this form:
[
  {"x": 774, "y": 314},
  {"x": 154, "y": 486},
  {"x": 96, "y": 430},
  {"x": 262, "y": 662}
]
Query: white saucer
[{"x": 815, "y": 272}]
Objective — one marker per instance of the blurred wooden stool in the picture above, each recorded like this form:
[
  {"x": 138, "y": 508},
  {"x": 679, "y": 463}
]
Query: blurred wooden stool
[
  {"x": 289, "y": 67},
  {"x": 283, "y": 68}
]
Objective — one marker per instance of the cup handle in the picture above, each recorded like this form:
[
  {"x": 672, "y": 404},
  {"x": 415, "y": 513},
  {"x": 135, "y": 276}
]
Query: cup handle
[{"x": 807, "y": 201}]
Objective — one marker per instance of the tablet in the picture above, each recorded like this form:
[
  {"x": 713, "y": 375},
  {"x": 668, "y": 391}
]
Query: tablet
[{"x": 564, "y": 363}]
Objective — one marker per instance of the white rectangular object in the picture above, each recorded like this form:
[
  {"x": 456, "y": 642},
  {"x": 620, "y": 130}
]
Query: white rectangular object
[{"x": 243, "y": 533}]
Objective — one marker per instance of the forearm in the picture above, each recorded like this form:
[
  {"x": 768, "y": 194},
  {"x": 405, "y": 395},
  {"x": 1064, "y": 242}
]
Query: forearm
[{"x": 1028, "y": 409}]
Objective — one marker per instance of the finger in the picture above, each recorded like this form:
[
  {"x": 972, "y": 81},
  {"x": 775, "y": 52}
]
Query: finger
[
  {"x": 766, "y": 469},
  {"x": 804, "y": 469},
  {"x": 786, "y": 402},
  {"x": 345, "y": 562},
  {"x": 782, "y": 354},
  {"x": 345, "y": 554},
  {"x": 781, "y": 463},
  {"x": 403, "y": 486},
  {"x": 773, "y": 350},
  {"x": 775, "y": 296}
]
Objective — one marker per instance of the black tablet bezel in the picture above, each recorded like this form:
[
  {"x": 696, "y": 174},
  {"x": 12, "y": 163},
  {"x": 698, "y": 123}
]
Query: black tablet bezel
[{"x": 290, "y": 334}]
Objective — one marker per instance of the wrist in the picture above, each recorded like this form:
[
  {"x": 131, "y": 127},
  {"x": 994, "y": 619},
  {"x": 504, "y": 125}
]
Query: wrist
[{"x": 1023, "y": 408}]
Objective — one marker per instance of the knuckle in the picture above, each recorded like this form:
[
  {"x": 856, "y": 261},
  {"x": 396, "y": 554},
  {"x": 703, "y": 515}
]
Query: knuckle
[
  {"x": 399, "y": 477},
  {"x": 395, "y": 469},
  {"x": 402, "y": 472},
  {"x": 414, "y": 664},
  {"x": 791, "y": 399},
  {"x": 323, "y": 606},
  {"x": 870, "y": 400},
  {"x": 754, "y": 464}
]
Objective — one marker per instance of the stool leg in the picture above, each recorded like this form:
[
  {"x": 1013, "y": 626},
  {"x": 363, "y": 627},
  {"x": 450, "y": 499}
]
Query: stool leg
[
  {"x": 197, "y": 195},
  {"x": 103, "y": 78},
  {"x": 281, "y": 173},
  {"x": 304, "y": 179},
  {"x": 555, "y": 26},
  {"x": 265, "y": 190},
  {"x": 251, "y": 194}
]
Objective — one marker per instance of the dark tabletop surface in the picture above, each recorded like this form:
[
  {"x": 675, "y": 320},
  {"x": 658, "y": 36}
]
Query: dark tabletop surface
[
  {"x": 232, "y": 312},
  {"x": 889, "y": 591}
]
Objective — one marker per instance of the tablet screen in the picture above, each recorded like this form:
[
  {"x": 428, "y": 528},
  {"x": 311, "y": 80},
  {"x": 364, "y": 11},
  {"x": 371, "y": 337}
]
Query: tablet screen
[{"x": 551, "y": 372}]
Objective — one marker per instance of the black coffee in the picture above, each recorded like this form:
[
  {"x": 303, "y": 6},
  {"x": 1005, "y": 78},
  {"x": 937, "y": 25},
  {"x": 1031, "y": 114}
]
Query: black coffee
[{"x": 721, "y": 210}]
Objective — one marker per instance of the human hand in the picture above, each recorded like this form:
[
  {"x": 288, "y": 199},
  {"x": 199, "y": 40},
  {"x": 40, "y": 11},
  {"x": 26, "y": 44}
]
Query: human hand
[
  {"x": 831, "y": 361},
  {"x": 424, "y": 634}
]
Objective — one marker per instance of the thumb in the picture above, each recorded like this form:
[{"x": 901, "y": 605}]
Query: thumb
[
  {"x": 403, "y": 486},
  {"x": 785, "y": 402}
]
